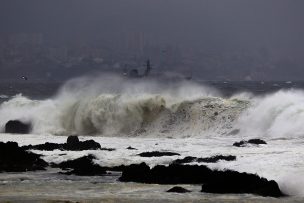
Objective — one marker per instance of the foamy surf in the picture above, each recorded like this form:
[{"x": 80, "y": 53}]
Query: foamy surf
[
  {"x": 114, "y": 106},
  {"x": 191, "y": 119}
]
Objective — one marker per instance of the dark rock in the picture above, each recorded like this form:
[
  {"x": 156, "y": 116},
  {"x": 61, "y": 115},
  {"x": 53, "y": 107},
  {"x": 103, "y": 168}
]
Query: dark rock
[
  {"x": 177, "y": 189},
  {"x": 107, "y": 149},
  {"x": 256, "y": 141},
  {"x": 213, "y": 181},
  {"x": 73, "y": 144},
  {"x": 235, "y": 182},
  {"x": 72, "y": 141},
  {"x": 135, "y": 173},
  {"x": 15, "y": 159},
  {"x": 216, "y": 158},
  {"x": 240, "y": 144},
  {"x": 212, "y": 159},
  {"x": 18, "y": 127},
  {"x": 244, "y": 143},
  {"x": 115, "y": 168},
  {"x": 131, "y": 148},
  {"x": 44, "y": 147},
  {"x": 83, "y": 166},
  {"x": 187, "y": 159},
  {"x": 158, "y": 154}
]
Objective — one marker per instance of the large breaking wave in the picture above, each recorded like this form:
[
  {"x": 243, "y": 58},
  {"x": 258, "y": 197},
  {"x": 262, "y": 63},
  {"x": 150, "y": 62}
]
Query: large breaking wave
[{"x": 114, "y": 106}]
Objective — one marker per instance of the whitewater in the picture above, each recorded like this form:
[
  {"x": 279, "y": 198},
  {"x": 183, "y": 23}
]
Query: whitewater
[{"x": 156, "y": 115}]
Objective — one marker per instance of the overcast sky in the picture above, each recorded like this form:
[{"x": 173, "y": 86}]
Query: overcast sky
[
  {"x": 276, "y": 25},
  {"x": 254, "y": 22}
]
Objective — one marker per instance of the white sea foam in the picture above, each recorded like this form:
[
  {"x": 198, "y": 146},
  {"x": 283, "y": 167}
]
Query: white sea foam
[
  {"x": 115, "y": 106},
  {"x": 140, "y": 112}
]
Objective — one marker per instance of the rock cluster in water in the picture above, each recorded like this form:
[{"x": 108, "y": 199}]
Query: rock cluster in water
[
  {"x": 83, "y": 166},
  {"x": 157, "y": 154},
  {"x": 213, "y": 181},
  {"x": 15, "y": 159},
  {"x": 72, "y": 144},
  {"x": 213, "y": 159},
  {"x": 244, "y": 143}
]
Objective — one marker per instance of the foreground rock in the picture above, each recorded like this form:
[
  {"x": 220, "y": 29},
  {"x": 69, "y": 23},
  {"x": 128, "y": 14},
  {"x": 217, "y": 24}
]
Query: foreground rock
[
  {"x": 244, "y": 143},
  {"x": 72, "y": 144},
  {"x": 212, "y": 159},
  {"x": 83, "y": 166},
  {"x": 158, "y": 154},
  {"x": 178, "y": 189},
  {"x": 17, "y": 127},
  {"x": 15, "y": 159},
  {"x": 227, "y": 181}
]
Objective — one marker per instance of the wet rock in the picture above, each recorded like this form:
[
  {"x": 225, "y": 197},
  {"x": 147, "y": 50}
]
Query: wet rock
[
  {"x": 213, "y": 181},
  {"x": 212, "y": 159},
  {"x": 131, "y": 148},
  {"x": 158, "y": 154},
  {"x": 178, "y": 189},
  {"x": 17, "y": 127},
  {"x": 72, "y": 144},
  {"x": 15, "y": 159},
  {"x": 235, "y": 182},
  {"x": 216, "y": 158},
  {"x": 256, "y": 141},
  {"x": 83, "y": 166},
  {"x": 136, "y": 173},
  {"x": 107, "y": 149},
  {"x": 244, "y": 143},
  {"x": 72, "y": 141},
  {"x": 187, "y": 159},
  {"x": 44, "y": 147}
]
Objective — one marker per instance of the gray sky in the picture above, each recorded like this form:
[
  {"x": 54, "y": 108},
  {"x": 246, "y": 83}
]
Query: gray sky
[
  {"x": 275, "y": 22},
  {"x": 211, "y": 24}
]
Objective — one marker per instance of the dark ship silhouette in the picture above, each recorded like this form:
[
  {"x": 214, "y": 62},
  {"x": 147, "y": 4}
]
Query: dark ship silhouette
[{"x": 134, "y": 73}]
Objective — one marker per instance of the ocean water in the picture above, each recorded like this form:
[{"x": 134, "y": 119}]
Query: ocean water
[{"x": 192, "y": 118}]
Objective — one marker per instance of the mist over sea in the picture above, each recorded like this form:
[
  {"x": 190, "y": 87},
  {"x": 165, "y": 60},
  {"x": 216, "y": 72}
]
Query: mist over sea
[{"x": 192, "y": 118}]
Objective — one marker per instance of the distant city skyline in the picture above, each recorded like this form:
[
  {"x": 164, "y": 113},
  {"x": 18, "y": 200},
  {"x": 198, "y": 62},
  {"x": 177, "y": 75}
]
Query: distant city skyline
[{"x": 213, "y": 39}]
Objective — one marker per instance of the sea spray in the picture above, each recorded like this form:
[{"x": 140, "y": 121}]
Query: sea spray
[{"x": 115, "y": 106}]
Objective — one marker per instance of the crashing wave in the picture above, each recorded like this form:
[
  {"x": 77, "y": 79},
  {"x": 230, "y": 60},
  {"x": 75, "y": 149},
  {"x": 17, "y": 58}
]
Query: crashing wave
[{"x": 112, "y": 106}]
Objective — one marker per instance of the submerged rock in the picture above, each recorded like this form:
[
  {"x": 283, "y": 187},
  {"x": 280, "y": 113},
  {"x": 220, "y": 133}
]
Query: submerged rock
[
  {"x": 213, "y": 181},
  {"x": 83, "y": 166},
  {"x": 17, "y": 127},
  {"x": 15, "y": 159},
  {"x": 157, "y": 154},
  {"x": 178, "y": 189},
  {"x": 72, "y": 144},
  {"x": 244, "y": 143},
  {"x": 212, "y": 159}
]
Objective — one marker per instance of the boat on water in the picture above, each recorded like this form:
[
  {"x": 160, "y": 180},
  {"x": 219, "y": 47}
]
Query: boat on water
[{"x": 134, "y": 73}]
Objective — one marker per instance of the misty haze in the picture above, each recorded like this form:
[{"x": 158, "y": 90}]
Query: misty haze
[{"x": 211, "y": 40}]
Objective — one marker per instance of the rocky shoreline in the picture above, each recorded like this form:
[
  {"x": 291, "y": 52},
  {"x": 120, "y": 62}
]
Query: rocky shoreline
[{"x": 15, "y": 158}]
